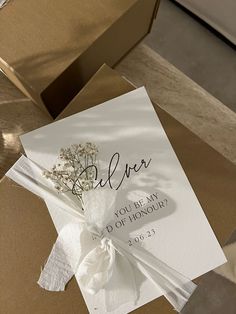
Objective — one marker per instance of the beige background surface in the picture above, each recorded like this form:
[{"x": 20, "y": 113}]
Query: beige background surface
[{"x": 183, "y": 99}]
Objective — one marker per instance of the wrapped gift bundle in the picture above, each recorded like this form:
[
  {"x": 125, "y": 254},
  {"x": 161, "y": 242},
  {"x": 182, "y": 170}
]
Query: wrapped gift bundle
[{"x": 130, "y": 203}]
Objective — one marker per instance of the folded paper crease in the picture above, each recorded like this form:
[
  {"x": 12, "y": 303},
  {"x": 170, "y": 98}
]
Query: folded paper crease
[{"x": 101, "y": 260}]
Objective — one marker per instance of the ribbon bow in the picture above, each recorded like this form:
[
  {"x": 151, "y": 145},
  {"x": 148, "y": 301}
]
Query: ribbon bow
[{"x": 98, "y": 259}]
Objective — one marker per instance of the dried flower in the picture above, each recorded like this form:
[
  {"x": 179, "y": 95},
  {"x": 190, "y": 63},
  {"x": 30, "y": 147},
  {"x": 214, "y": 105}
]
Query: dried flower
[{"x": 74, "y": 171}]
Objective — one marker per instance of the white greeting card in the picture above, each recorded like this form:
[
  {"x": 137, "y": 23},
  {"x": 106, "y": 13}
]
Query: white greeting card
[{"x": 156, "y": 207}]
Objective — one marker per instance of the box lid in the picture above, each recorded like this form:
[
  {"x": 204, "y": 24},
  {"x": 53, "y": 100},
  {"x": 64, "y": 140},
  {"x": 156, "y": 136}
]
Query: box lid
[{"x": 39, "y": 39}]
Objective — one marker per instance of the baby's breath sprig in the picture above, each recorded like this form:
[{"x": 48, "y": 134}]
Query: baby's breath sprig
[{"x": 74, "y": 170}]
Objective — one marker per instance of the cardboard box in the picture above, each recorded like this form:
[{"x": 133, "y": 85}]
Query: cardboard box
[
  {"x": 49, "y": 49},
  {"x": 27, "y": 232}
]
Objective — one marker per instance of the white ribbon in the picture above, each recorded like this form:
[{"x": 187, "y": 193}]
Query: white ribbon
[
  {"x": 97, "y": 259},
  {"x": 3, "y": 3}
]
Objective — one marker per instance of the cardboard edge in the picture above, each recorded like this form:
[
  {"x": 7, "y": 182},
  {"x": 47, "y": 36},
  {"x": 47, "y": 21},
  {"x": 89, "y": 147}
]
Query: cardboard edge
[
  {"x": 104, "y": 69},
  {"x": 24, "y": 86},
  {"x": 157, "y": 5}
]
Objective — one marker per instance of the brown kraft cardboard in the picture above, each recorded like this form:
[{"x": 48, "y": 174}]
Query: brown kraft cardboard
[{"x": 27, "y": 231}]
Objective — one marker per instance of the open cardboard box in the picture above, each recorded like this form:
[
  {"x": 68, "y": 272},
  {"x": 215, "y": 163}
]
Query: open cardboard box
[
  {"x": 27, "y": 232},
  {"x": 49, "y": 49}
]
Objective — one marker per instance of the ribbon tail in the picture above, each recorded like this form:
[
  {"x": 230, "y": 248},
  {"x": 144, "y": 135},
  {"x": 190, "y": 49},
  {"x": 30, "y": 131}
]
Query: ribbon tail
[
  {"x": 63, "y": 260},
  {"x": 122, "y": 278},
  {"x": 175, "y": 286}
]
